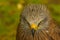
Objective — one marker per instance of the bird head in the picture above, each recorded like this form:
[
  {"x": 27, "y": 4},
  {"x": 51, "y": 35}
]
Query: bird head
[{"x": 36, "y": 16}]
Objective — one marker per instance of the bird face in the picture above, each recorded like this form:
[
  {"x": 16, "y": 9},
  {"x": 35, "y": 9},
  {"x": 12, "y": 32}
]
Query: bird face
[{"x": 34, "y": 18}]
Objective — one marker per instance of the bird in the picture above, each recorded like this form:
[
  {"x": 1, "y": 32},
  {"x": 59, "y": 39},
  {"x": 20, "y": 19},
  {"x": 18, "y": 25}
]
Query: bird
[{"x": 36, "y": 23}]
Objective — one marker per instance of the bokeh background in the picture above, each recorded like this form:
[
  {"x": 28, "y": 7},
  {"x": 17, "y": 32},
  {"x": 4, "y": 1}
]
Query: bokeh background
[{"x": 10, "y": 11}]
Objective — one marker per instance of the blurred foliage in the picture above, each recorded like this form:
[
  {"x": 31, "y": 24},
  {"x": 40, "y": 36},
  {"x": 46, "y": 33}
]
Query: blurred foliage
[{"x": 10, "y": 11}]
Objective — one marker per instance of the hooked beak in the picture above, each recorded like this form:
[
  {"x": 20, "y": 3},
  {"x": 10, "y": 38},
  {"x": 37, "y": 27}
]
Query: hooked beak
[
  {"x": 33, "y": 31},
  {"x": 33, "y": 28}
]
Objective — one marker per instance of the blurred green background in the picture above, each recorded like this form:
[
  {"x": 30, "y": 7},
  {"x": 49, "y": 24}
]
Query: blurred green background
[{"x": 11, "y": 9}]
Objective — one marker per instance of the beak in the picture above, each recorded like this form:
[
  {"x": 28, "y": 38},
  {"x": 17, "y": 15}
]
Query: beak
[
  {"x": 33, "y": 31},
  {"x": 33, "y": 28}
]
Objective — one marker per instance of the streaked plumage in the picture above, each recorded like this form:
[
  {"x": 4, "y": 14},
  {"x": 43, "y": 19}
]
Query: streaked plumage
[{"x": 37, "y": 24}]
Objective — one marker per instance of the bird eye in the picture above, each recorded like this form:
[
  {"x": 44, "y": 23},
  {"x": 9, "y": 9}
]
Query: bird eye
[
  {"x": 24, "y": 21},
  {"x": 42, "y": 21}
]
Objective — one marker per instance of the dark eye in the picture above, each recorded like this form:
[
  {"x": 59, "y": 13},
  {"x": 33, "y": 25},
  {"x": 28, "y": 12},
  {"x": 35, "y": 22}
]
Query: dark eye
[
  {"x": 24, "y": 22},
  {"x": 43, "y": 21}
]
